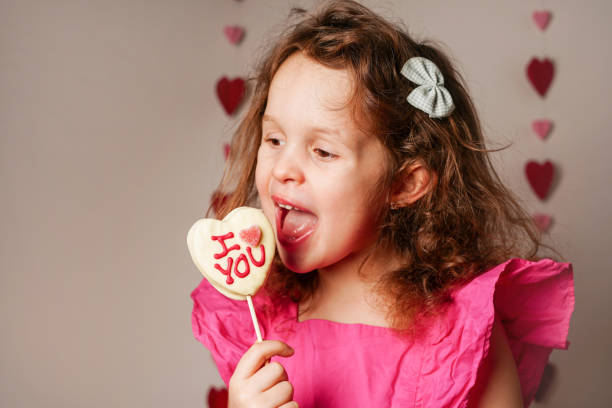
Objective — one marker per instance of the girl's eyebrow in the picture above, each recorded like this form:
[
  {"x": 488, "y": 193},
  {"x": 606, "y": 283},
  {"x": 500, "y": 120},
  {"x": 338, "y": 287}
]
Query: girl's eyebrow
[{"x": 329, "y": 131}]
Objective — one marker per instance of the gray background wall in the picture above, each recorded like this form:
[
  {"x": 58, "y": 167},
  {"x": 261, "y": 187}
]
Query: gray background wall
[{"x": 111, "y": 140}]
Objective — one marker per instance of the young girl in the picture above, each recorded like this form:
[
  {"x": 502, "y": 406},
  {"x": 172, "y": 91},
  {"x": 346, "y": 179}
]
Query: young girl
[{"x": 402, "y": 277}]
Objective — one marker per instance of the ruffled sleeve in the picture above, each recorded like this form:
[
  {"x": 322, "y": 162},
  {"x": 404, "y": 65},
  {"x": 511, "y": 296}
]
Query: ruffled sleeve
[
  {"x": 224, "y": 325},
  {"x": 534, "y": 302}
]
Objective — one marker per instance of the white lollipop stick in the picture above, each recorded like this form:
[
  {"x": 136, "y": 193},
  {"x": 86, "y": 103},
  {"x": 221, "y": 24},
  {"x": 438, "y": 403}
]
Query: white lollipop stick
[{"x": 254, "y": 317}]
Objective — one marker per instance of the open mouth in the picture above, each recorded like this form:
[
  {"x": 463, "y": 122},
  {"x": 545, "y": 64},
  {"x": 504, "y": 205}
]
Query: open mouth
[{"x": 293, "y": 224}]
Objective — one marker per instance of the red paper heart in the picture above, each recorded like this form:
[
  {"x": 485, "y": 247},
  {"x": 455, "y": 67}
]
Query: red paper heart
[
  {"x": 540, "y": 177},
  {"x": 226, "y": 150},
  {"x": 230, "y": 93},
  {"x": 542, "y": 221},
  {"x": 540, "y": 74},
  {"x": 541, "y": 18},
  {"x": 251, "y": 235},
  {"x": 217, "y": 200},
  {"x": 233, "y": 33},
  {"x": 217, "y": 398},
  {"x": 541, "y": 127}
]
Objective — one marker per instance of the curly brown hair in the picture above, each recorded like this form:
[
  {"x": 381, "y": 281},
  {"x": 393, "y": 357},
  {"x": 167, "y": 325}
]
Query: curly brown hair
[{"x": 467, "y": 222}]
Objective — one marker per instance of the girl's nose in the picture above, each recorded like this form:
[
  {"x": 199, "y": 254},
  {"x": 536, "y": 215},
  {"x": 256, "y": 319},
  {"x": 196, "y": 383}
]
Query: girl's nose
[{"x": 288, "y": 167}]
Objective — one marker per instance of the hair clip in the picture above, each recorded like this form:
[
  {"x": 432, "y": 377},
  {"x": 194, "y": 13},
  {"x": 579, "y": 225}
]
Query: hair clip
[{"x": 430, "y": 96}]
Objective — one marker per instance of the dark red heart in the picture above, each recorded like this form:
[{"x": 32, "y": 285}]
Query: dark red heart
[
  {"x": 230, "y": 93},
  {"x": 217, "y": 398},
  {"x": 540, "y": 74},
  {"x": 540, "y": 177},
  {"x": 218, "y": 199}
]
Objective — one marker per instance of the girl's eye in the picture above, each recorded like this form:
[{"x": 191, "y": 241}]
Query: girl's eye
[
  {"x": 324, "y": 154},
  {"x": 274, "y": 141}
]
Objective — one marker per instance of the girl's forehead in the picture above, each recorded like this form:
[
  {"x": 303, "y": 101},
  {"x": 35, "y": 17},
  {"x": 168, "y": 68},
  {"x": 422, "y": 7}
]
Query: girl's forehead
[
  {"x": 305, "y": 91},
  {"x": 300, "y": 78}
]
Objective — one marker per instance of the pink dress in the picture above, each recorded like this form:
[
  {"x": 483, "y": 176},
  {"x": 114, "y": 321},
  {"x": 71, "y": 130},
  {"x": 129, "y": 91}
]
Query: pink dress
[{"x": 356, "y": 365}]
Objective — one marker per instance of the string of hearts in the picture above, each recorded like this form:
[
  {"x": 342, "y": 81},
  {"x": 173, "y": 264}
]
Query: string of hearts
[
  {"x": 230, "y": 93},
  {"x": 540, "y": 73}
]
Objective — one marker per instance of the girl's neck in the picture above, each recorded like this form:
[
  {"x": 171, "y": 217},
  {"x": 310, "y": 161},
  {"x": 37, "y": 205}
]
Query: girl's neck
[{"x": 346, "y": 291}]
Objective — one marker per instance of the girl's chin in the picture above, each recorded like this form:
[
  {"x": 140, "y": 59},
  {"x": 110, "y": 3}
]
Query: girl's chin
[{"x": 295, "y": 265}]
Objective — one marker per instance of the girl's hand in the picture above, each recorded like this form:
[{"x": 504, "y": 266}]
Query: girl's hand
[{"x": 261, "y": 385}]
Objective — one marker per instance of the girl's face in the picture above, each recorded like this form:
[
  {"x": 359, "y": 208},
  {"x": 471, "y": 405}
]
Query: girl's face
[{"x": 317, "y": 174}]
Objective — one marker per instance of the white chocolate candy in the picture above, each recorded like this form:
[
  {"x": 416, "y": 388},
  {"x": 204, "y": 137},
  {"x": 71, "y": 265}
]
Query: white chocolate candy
[{"x": 234, "y": 254}]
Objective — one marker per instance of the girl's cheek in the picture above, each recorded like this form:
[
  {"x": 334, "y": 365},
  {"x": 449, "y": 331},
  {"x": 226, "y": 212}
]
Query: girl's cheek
[{"x": 261, "y": 179}]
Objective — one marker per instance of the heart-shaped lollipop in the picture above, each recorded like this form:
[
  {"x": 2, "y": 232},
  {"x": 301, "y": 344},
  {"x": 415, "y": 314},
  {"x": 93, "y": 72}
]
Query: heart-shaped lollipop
[{"x": 234, "y": 254}]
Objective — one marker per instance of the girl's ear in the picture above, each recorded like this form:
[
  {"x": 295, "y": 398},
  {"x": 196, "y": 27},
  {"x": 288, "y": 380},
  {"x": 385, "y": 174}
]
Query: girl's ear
[{"x": 411, "y": 183}]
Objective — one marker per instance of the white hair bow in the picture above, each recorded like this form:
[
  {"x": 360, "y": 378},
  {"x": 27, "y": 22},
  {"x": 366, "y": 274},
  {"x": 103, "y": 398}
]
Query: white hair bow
[{"x": 430, "y": 96}]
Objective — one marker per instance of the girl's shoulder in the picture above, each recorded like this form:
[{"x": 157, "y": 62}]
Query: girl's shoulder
[{"x": 533, "y": 300}]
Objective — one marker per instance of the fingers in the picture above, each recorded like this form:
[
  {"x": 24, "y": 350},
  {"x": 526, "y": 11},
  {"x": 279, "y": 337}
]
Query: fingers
[
  {"x": 279, "y": 394},
  {"x": 269, "y": 375},
  {"x": 290, "y": 404},
  {"x": 257, "y": 355},
  {"x": 255, "y": 383}
]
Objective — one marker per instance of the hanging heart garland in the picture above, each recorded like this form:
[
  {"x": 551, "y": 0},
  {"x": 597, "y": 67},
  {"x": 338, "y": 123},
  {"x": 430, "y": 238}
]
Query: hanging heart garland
[
  {"x": 542, "y": 221},
  {"x": 230, "y": 93},
  {"x": 226, "y": 150},
  {"x": 218, "y": 199},
  {"x": 234, "y": 34},
  {"x": 217, "y": 398},
  {"x": 542, "y": 127},
  {"x": 540, "y": 74},
  {"x": 540, "y": 177},
  {"x": 541, "y": 18}
]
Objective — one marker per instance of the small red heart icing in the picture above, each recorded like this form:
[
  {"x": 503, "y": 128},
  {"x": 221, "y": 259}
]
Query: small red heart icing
[
  {"x": 540, "y": 177},
  {"x": 542, "y": 221},
  {"x": 233, "y": 33},
  {"x": 541, "y": 127},
  {"x": 251, "y": 235},
  {"x": 217, "y": 398},
  {"x": 541, "y": 18},
  {"x": 230, "y": 93},
  {"x": 540, "y": 74}
]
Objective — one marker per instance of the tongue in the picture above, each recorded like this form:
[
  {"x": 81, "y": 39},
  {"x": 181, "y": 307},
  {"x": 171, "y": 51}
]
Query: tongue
[{"x": 298, "y": 223}]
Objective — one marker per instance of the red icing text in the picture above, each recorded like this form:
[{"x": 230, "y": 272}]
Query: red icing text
[
  {"x": 239, "y": 266},
  {"x": 221, "y": 239}
]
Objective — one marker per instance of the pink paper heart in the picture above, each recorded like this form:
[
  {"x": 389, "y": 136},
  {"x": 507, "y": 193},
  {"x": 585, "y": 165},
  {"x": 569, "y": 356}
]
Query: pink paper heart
[
  {"x": 233, "y": 33},
  {"x": 251, "y": 235},
  {"x": 540, "y": 177},
  {"x": 541, "y": 127},
  {"x": 542, "y": 221},
  {"x": 541, "y": 18}
]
